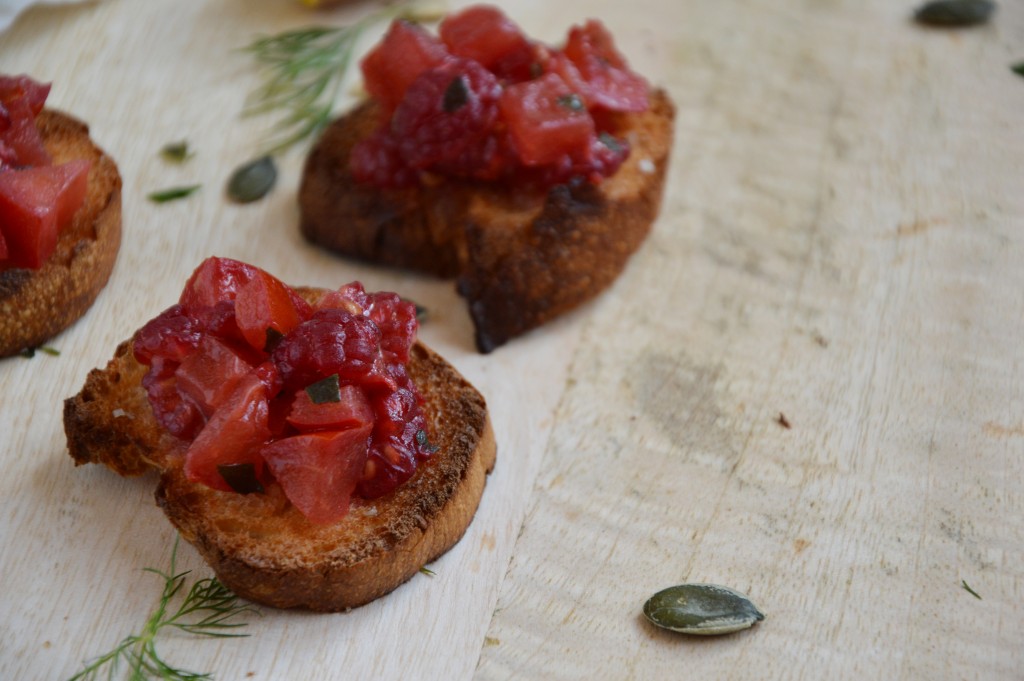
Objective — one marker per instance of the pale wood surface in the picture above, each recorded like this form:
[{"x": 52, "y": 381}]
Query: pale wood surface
[{"x": 840, "y": 243}]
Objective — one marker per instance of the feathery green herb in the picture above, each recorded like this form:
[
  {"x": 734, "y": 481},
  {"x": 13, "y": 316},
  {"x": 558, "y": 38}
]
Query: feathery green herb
[
  {"x": 968, "y": 589},
  {"x": 304, "y": 71},
  {"x": 207, "y": 609}
]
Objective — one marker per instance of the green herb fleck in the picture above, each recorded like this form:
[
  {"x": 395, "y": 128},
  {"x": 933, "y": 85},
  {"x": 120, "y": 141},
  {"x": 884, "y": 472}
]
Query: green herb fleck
[
  {"x": 954, "y": 13},
  {"x": 176, "y": 152},
  {"x": 427, "y": 571},
  {"x": 421, "y": 313},
  {"x": 325, "y": 390},
  {"x": 610, "y": 142},
  {"x": 253, "y": 180},
  {"x": 968, "y": 589},
  {"x": 207, "y": 609},
  {"x": 571, "y": 101},
  {"x": 29, "y": 353},
  {"x": 423, "y": 440},
  {"x": 1018, "y": 68},
  {"x": 455, "y": 95},
  {"x": 173, "y": 194}
]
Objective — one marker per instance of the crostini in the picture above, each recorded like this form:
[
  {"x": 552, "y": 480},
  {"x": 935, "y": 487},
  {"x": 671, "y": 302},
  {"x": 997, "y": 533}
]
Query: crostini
[
  {"x": 528, "y": 173},
  {"x": 60, "y": 217},
  {"x": 311, "y": 449}
]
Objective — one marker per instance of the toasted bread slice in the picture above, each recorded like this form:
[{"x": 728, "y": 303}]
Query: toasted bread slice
[
  {"x": 522, "y": 257},
  {"x": 259, "y": 545},
  {"x": 37, "y": 304}
]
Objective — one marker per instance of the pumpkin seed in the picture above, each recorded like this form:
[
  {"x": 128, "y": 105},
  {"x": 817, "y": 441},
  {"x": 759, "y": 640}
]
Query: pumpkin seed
[
  {"x": 955, "y": 13},
  {"x": 253, "y": 180},
  {"x": 701, "y": 609}
]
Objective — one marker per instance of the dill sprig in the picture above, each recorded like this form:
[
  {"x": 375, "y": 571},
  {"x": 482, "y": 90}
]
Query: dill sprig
[
  {"x": 304, "y": 70},
  {"x": 207, "y": 609}
]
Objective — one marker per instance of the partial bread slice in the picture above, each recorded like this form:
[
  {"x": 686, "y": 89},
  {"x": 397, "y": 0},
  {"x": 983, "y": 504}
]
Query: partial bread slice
[
  {"x": 37, "y": 304},
  {"x": 522, "y": 257},
  {"x": 259, "y": 545}
]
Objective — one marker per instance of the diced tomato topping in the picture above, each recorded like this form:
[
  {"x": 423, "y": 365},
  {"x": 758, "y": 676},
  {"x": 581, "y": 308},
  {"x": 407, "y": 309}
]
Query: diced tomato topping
[
  {"x": 204, "y": 369},
  {"x": 234, "y": 434},
  {"x": 24, "y": 87},
  {"x": 546, "y": 119},
  {"x": 20, "y": 134},
  {"x": 350, "y": 410},
  {"x": 210, "y": 375},
  {"x": 609, "y": 83},
  {"x": 34, "y": 202},
  {"x": 215, "y": 280},
  {"x": 439, "y": 114},
  {"x": 265, "y": 310},
  {"x": 406, "y": 51},
  {"x": 319, "y": 471},
  {"x": 483, "y": 33}
]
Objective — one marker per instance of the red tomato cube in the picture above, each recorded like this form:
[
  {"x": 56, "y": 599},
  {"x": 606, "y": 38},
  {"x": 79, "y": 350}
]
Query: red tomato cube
[
  {"x": 350, "y": 410},
  {"x": 319, "y": 471},
  {"x": 546, "y": 120},
  {"x": 483, "y": 33},
  {"x": 263, "y": 304},
  {"x": 406, "y": 51},
  {"x": 210, "y": 375},
  {"x": 35, "y": 203}
]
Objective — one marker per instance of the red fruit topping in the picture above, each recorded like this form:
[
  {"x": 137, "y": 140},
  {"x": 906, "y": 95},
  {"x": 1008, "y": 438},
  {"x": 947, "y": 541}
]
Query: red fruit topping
[
  {"x": 319, "y": 471},
  {"x": 338, "y": 368},
  {"x": 34, "y": 204},
  {"x": 405, "y": 52},
  {"x": 265, "y": 310},
  {"x": 608, "y": 81},
  {"x": 546, "y": 120},
  {"x": 445, "y": 110},
  {"x": 234, "y": 435},
  {"x": 487, "y": 104},
  {"x": 484, "y": 34},
  {"x": 210, "y": 375},
  {"x": 24, "y": 87},
  {"x": 348, "y": 409}
]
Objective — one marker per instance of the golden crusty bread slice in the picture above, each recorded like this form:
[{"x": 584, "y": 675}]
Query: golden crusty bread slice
[
  {"x": 37, "y": 304},
  {"x": 259, "y": 545},
  {"x": 522, "y": 257}
]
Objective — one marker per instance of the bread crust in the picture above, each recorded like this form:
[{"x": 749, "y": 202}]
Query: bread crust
[
  {"x": 259, "y": 545},
  {"x": 521, "y": 256},
  {"x": 37, "y": 304}
]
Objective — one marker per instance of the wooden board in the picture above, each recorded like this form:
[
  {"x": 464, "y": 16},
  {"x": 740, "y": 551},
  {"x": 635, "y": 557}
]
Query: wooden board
[{"x": 840, "y": 244}]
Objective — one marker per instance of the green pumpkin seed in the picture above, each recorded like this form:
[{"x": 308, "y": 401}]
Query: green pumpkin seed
[
  {"x": 701, "y": 609},
  {"x": 253, "y": 180},
  {"x": 955, "y": 13}
]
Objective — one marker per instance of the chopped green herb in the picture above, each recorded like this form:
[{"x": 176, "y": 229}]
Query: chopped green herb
[
  {"x": 968, "y": 589},
  {"x": 427, "y": 571},
  {"x": 165, "y": 195},
  {"x": 253, "y": 180},
  {"x": 571, "y": 101},
  {"x": 208, "y": 609},
  {"x": 1018, "y": 68},
  {"x": 421, "y": 313},
  {"x": 423, "y": 440},
  {"x": 954, "y": 13},
  {"x": 610, "y": 142},
  {"x": 241, "y": 477},
  {"x": 176, "y": 152},
  {"x": 455, "y": 95},
  {"x": 29, "y": 353},
  {"x": 325, "y": 390}
]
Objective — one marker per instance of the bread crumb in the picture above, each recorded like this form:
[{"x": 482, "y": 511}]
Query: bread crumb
[
  {"x": 120, "y": 413},
  {"x": 646, "y": 166}
]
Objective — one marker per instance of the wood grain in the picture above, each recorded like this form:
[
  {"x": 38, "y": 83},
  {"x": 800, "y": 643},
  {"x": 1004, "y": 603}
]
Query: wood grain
[{"x": 840, "y": 244}]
